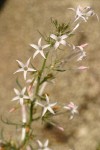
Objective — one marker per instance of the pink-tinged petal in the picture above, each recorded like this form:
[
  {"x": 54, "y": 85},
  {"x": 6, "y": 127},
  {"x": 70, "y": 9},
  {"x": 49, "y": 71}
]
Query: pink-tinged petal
[
  {"x": 15, "y": 98},
  {"x": 56, "y": 45},
  {"x": 83, "y": 45},
  {"x": 50, "y": 109},
  {"x": 23, "y": 91},
  {"x": 41, "y": 52},
  {"x": 45, "y": 46},
  {"x": 60, "y": 128},
  {"x": 39, "y": 42},
  {"x": 40, "y": 144},
  {"x": 82, "y": 68},
  {"x": 17, "y": 92},
  {"x": 64, "y": 36},
  {"x": 63, "y": 42},
  {"x": 25, "y": 74},
  {"x": 20, "y": 63},
  {"x": 53, "y": 37},
  {"x": 78, "y": 11},
  {"x": 35, "y": 54},
  {"x": 31, "y": 69},
  {"x": 19, "y": 70},
  {"x": 27, "y": 64},
  {"x": 34, "y": 46},
  {"x": 44, "y": 111},
  {"x": 46, "y": 143}
]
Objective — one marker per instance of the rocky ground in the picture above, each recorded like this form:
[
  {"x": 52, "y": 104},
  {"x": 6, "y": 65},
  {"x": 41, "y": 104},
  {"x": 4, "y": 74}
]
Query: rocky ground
[{"x": 19, "y": 23}]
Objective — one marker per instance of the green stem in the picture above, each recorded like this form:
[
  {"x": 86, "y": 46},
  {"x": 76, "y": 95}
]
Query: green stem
[
  {"x": 37, "y": 88},
  {"x": 36, "y": 94},
  {"x": 40, "y": 74}
]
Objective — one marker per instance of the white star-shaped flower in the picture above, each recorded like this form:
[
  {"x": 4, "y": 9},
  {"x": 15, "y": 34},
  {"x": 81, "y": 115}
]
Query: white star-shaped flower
[
  {"x": 72, "y": 108},
  {"x": 43, "y": 146},
  {"x": 47, "y": 106},
  {"x": 84, "y": 13},
  {"x": 59, "y": 40},
  {"x": 24, "y": 68},
  {"x": 39, "y": 48},
  {"x": 20, "y": 95}
]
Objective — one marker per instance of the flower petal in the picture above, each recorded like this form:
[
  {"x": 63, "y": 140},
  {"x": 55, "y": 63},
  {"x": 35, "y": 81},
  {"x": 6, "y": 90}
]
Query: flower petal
[
  {"x": 20, "y": 63},
  {"x": 40, "y": 144},
  {"x": 39, "y": 42},
  {"x": 39, "y": 104},
  {"x": 26, "y": 97},
  {"x": 21, "y": 101},
  {"x": 35, "y": 54},
  {"x": 56, "y": 45},
  {"x": 34, "y": 46},
  {"x": 17, "y": 92},
  {"x": 41, "y": 52},
  {"x": 25, "y": 74},
  {"x": 53, "y": 36},
  {"x": 19, "y": 70},
  {"x": 45, "y": 46},
  {"x": 51, "y": 110},
  {"x": 15, "y": 98},
  {"x": 31, "y": 69},
  {"x": 47, "y": 99},
  {"x": 63, "y": 42},
  {"x": 64, "y": 36},
  {"x": 27, "y": 63},
  {"x": 23, "y": 91},
  {"x": 44, "y": 111},
  {"x": 46, "y": 143}
]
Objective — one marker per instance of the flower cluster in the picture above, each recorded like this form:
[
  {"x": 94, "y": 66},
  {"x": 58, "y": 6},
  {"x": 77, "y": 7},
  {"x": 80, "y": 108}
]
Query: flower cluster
[{"x": 32, "y": 98}]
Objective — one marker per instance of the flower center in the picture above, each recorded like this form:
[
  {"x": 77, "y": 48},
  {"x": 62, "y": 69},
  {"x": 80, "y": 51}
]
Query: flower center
[
  {"x": 21, "y": 96},
  {"x": 40, "y": 48},
  {"x": 25, "y": 68},
  {"x": 59, "y": 39}
]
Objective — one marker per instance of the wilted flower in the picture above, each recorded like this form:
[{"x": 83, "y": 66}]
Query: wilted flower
[
  {"x": 72, "y": 108},
  {"x": 24, "y": 68},
  {"x": 39, "y": 48},
  {"x": 43, "y": 146},
  {"x": 84, "y": 13},
  {"x": 20, "y": 95},
  {"x": 47, "y": 107},
  {"x": 80, "y": 51}
]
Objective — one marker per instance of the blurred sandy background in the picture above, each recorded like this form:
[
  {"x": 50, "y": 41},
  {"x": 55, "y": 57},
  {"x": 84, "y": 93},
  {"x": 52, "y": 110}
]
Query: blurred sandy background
[{"x": 19, "y": 22}]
